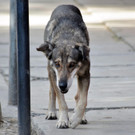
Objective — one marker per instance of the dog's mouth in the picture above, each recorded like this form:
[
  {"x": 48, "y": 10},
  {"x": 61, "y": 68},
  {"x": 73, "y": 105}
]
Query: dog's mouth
[{"x": 64, "y": 91}]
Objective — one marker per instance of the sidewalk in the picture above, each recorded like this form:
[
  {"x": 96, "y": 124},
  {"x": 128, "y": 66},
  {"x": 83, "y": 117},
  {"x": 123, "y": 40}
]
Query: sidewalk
[{"x": 111, "y": 100}]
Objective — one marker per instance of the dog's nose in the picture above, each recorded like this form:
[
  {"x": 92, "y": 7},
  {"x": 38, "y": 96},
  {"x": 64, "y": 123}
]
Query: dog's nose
[{"x": 63, "y": 86}]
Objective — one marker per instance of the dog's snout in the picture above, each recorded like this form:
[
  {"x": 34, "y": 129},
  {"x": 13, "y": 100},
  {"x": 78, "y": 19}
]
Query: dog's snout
[{"x": 63, "y": 86}]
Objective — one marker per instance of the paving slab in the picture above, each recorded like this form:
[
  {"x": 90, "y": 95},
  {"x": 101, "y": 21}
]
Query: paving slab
[
  {"x": 124, "y": 30},
  {"x": 4, "y": 62},
  {"x": 107, "y": 60},
  {"x": 113, "y": 71},
  {"x": 4, "y": 50},
  {"x": 103, "y": 122},
  {"x": 36, "y": 37},
  {"x": 99, "y": 3},
  {"x": 104, "y": 92},
  {"x": 7, "y": 111},
  {"x": 4, "y": 35},
  {"x": 103, "y": 42},
  {"x": 3, "y": 88},
  {"x": 111, "y": 92}
]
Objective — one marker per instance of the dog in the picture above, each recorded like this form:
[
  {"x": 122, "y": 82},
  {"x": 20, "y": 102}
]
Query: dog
[{"x": 66, "y": 46}]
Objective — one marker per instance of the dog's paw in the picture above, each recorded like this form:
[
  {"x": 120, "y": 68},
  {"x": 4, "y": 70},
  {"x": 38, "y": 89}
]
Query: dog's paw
[
  {"x": 75, "y": 121},
  {"x": 51, "y": 116},
  {"x": 84, "y": 121},
  {"x": 74, "y": 124},
  {"x": 63, "y": 121},
  {"x": 62, "y": 124}
]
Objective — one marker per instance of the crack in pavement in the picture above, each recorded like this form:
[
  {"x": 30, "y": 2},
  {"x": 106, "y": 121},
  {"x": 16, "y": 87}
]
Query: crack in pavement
[
  {"x": 46, "y": 78},
  {"x": 119, "y": 37},
  {"x": 107, "y": 27},
  {"x": 34, "y": 78},
  {"x": 99, "y": 108}
]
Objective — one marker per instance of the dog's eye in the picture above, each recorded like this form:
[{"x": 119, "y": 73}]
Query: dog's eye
[
  {"x": 72, "y": 64},
  {"x": 57, "y": 64}
]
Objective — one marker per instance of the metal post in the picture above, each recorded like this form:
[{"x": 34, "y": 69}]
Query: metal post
[
  {"x": 0, "y": 114},
  {"x": 23, "y": 67},
  {"x": 12, "y": 94}
]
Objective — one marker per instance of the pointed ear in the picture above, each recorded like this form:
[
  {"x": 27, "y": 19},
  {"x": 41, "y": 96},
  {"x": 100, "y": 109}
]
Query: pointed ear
[
  {"x": 84, "y": 50},
  {"x": 46, "y": 48}
]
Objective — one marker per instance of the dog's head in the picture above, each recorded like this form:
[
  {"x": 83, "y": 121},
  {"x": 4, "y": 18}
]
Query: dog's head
[{"x": 66, "y": 61}]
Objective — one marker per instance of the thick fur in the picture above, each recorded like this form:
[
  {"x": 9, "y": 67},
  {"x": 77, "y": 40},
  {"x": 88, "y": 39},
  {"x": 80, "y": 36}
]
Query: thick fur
[{"x": 66, "y": 45}]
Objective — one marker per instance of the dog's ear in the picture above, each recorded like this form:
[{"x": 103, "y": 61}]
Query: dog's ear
[
  {"x": 84, "y": 51},
  {"x": 46, "y": 48}
]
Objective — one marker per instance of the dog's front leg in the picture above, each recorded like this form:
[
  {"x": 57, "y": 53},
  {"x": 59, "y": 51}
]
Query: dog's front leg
[
  {"x": 52, "y": 105},
  {"x": 83, "y": 86},
  {"x": 52, "y": 95},
  {"x": 63, "y": 121}
]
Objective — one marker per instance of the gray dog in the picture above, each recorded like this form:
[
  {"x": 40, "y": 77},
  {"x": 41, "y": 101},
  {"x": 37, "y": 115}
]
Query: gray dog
[{"x": 66, "y": 45}]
